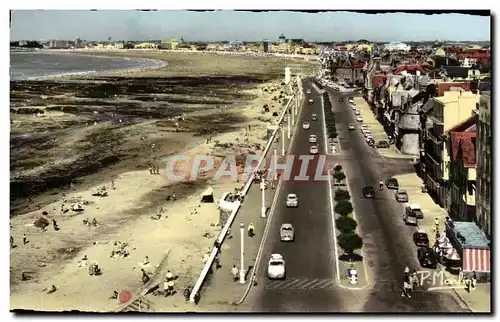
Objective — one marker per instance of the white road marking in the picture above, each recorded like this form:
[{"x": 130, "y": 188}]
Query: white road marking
[
  {"x": 309, "y": 283},
  {"x": 330, "y": 197}
]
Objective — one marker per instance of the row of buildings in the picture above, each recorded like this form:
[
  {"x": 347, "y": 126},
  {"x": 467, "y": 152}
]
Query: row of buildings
[
  {"x": 281, "y": 45},
  {"x": 439, "y": 110}
]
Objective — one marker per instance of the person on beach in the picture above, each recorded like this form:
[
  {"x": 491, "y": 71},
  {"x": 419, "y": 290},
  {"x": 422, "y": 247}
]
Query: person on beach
[
  {"x": 11, "y": 242},
  {"x": 25, "y": 239},
  {"x": 235, "y": 272},
  {"x": 169, "y": 276},
  {"x": 146, "y": 261}
]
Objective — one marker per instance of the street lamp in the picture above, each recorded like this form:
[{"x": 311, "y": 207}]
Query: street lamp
[
  {"x": 263, "y": 191},
  {"x": 282, "y": 141},
  {"x": 242, "y": 268},
  {"x": 288, "y": 127},
  {"x": 275, "y": 173}
]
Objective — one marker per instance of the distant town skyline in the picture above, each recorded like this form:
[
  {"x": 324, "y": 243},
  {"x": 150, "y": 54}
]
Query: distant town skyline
[{"x": 245, "y": 26}]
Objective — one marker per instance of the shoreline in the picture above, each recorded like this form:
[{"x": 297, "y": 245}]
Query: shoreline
[{"x": 154, "y": 64}]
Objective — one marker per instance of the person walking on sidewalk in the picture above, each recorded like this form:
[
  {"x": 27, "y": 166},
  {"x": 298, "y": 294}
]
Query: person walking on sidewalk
[
  {"x": 473, "y": 281},
  {"x": 406, "y": 290},
  {"x": 251, "y": 230},
  {"x": 235, "y": 272}
]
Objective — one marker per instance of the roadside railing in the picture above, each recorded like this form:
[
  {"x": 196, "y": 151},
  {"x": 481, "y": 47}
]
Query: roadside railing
[{"x": 203, "y": 275}]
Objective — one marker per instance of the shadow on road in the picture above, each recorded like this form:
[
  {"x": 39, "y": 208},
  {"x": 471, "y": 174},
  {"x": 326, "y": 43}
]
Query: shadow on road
[{"x": 352, "y": 257}]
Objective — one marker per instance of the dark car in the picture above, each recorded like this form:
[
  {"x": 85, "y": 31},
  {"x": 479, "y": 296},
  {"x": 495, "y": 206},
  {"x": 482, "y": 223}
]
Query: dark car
[
  {"x": 383, "y": 144},
  {"x": 341, "y": 100},
  {"x": 369, "y": 192},
  {"x": 420, "y": 238},
  {"x": 392, "y": 183},
  {"x": 427, "y": 257}
]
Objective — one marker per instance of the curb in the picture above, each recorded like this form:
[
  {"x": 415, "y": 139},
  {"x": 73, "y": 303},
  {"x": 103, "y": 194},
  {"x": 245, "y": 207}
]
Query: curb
[{"x": 455, "y": 291}]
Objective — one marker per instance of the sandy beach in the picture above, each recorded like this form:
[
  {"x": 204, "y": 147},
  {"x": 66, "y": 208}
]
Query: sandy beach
[{"x": 88, "y": 136}]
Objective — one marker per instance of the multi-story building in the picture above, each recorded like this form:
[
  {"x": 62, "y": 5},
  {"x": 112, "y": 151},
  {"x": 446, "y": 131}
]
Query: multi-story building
[
  {"x": 170, "y": 44},
  {"x": 59, "y": 44},
  {"x": 442, "y": 114},
  {"x": 484, "y": 164},
  {"x": 393, "y": 46},
  {"x": 460, "y": 141}
]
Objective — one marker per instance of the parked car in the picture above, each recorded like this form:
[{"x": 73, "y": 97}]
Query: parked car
[
  {"x": 382, "y": 144},
  {"x": 292, "y": 201},
  {"x": 276, "y": 267},
  {"x": 409, "y": 217},
  {"x": 369, "y": 192},
  {"x": 313, "y": 149},
  {"x": 367, "y": 133},
  {"x": 311, "y": 101},
  {"x": 308, "y": 91},
  {"x": 314, "y": 117},
  {"x": 313, "y": 138},
  {"x": 392, "y": 183},
  {"x": 356, "y": 112},
  {"x": 287, "y": 233},
  {"x": 401, "y": 195},
  {"x": 427, "y": 257},
  {"x": 306, "y": 125},
  {"x": 420, "y": 238},
  {"x": 370, "y": 141},
  {"x": 359, "y": 119},
  {"x": 415, "y": 208},
  {"x": 364, "y": 126},
  {"x": 351, "y": 127}
]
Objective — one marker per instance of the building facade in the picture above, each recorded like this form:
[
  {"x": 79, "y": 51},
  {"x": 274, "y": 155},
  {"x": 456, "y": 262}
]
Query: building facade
[
  {"x": 443, "y": 113},
  {"x": 484, "y": 165},
  {"x": 59, "y": 44},
  {"x": 461, "y": 145}
]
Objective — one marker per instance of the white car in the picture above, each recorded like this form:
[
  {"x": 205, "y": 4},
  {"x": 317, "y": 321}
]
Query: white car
[
  {"x": 356, "y": 112},
  {"x": 292, "y": 201},
  {"x": 368, "y": 138},
  {"x": 359, "y": 119},
  {"x": 364, "y": 127},
  {"x": 313, "y": 138},
  {"x": 314, "y": 117},
  {"x": 308, "y": 91},
  {"x": 351, "y": 101},
  {"x": 351, "y": 127},
  {"x": 313, "y": 149},
  {"x": 311, "y": 101},
  {"x": 276, "y": 267},
  {"x": 306, "y": 125},
  {"x": 353, "y": 106},
  {"x": 367, "y": 133}
]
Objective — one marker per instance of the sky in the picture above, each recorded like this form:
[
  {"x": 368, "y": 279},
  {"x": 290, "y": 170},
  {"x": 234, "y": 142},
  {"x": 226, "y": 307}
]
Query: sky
[{"x": 245, "y": 26}]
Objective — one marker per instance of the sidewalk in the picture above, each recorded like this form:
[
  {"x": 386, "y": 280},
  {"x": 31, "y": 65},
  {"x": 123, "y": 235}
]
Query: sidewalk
[
  {"x": 479, "y": 299},
  {"x": 377, "y": 129}
]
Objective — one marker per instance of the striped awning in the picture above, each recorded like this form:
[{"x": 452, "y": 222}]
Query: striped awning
[{"x": 477, "y": 260}]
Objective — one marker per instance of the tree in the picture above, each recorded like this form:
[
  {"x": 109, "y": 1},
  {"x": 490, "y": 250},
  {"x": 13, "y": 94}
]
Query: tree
[
  {"x": 343, "y": 207},
  {"x": 341, "y": 194},
  {"x": 350, "y": 242},
  {"x": 339, "y": 176},
  {"x": 333, "y": 135},
  {"x": 346, "y": 225},
  {"x": 337, "y": 168}
]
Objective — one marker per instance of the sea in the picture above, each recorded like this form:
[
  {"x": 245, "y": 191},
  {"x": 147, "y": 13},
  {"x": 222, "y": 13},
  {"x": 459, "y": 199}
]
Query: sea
[{"x": 39, "y": 65}]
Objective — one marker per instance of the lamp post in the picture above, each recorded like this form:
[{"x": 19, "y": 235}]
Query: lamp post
[
  {"x": 288, "y": 127},
  {"x": 263, "y": 191},
  {"x": 282, "y": 141},
  {"x": 242, "y": 268},
  {"x": 275, "y": 173}
]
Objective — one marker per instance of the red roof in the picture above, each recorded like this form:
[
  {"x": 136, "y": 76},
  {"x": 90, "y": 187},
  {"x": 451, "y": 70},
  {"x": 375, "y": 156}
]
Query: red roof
[
  {"x": 410, "y": 68},
  {"x": 358, "y": 64},
  {"x": 463, "y": 137},
  {"x": 378, "y": 80},
  {"x": 444, "y": 87}
]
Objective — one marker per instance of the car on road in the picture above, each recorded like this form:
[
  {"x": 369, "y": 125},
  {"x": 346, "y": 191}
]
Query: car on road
[
  {"x": 287, "y": 233},
  {"x": 366, "y": 132},
  {"x": 341, "y": 100},
  {"x": 359, "y": 119},
  {"x": 276, "y": 267},
  {"x": 311, "y": 101},
  {"x": 392, "y": 183},
  {"x": 364, "y": 127},
  {"x": 416, "y": 210},
  {"x": 351, "y": 127},
  {"x": 336, "y": 89},
  {"x": 420, "y": 238},
  {"x": 409, "y": 217},
  {"x": 313, "y": 138},
  {"x": 356, "y": 112},
  {"x": 308, "y": 91},
  {"x": 292, "y": 201},
  {"x": 370, "y": 141},
  {"x": 314, "y": 117},
  {"x": 427, "y": 257},
  {"x": 306, "y": 125},
  {"x": 351, "y": 99},
  {"x": 401, "y": 195},
  {"x": 369, "y": 192},
  {"x": 313, "y": 149},
  {"x": 382, "y": 144}
]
